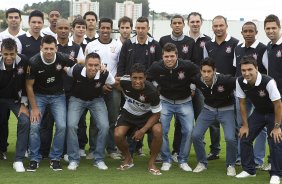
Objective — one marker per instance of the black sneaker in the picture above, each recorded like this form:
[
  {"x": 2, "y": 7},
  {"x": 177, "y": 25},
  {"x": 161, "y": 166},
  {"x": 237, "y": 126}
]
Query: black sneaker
[
  {"x": 33, "y": 165},
  {"x": 55, "y": 165},
  {"x": 212, "y": 156},
  {"x": 3, "y": 156}
]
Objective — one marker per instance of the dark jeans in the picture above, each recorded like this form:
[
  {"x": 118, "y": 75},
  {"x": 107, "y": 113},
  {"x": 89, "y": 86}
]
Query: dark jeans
[
  {"x": 4, "y": 128},
  {"x": 256, "y": 122},
  {"x": 22, "y": 127}
]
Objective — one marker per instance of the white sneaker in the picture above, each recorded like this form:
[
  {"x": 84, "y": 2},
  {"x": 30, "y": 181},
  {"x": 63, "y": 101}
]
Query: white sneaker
[
  {"x": 101, "y": 165},
  {"x": 244, "y": 174},
  {"x": 174, "y": 157},
  {"x": 26, "y": 154},
  {"x": 231, "y": 171},
  {"x": 185, "y": 167},
  {"x": 266, "y": 167},
  {"x": 274, "y": 180},
  {"x": 18, "y": 166},
  {"x": 90, "y": 156},
  {"x": 66, "y": 158},
  {"x": 72, "y": 166},
  {"x": 166, "y": 166},
  {"x": 199, "y": 168},
  {"x": 115, "y": 156},
  {"x": 82, "y": 153}
]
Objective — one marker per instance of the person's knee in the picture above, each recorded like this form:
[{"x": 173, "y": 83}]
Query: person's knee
[{"x": 157, "y": 131}]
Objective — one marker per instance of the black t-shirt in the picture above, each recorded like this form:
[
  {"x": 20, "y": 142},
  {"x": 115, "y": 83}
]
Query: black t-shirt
[{"x": 48, "y": 77}]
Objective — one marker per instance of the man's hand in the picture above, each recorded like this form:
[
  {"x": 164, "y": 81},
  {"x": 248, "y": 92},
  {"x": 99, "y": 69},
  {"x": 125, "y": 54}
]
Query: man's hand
[
  {"x": 276, "y": 135},
  {"x": 103, "y": 68},
  {"x": 35, "y": 115},
  {"x": 244, "y": 130},
  {"x": 23, "y": 109},
  {"x": 107, "y": 88},
  {"x": 138, "y": 135}
]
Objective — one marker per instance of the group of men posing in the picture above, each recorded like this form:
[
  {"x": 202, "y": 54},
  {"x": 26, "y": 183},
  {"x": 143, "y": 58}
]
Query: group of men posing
[{"x": 58, "y": 78}]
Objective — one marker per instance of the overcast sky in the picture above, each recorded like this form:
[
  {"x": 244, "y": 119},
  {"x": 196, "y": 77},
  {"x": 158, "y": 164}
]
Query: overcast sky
[{"x": 232, "y": 9}]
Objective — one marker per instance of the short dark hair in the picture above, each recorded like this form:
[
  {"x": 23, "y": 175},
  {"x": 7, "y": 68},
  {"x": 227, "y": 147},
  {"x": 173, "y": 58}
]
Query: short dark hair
[
  {"x": 220, "y": 17},
  {"x": 125, "y": 19},
  {"x": 13, "y": 10},
  {"x": 170, "y": 47},
  {"x": 92, "y": 55},
  {"x": 248, "y": 60},
  {"x": 9, "y": 44},
  {"x": 137, "y": 68},
  {"x": 143, "y": 19},
  {"x": 108, "y": 20},
  {"x": 208, "y": 61},
  {"x": 54, "y": 10},
  {"x": 250, "y": 23},
  {"x": 90, "y": 13},
  {"x": 195, "y": 14},
  {"x": 48, "y": 39},
  {"x": 272, "y": 18},
  {"x": 78, "y": 21},
  {"x": 175, "y": 17},
  {"x": 36, "y": 13}
]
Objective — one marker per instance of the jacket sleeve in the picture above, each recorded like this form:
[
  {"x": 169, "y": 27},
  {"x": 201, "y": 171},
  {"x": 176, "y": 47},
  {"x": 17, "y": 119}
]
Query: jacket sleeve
[{"x": 122, "y": 60}]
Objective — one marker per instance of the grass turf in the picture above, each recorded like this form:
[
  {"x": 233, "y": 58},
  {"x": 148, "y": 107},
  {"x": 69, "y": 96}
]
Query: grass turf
[{"x": 86, "y": 173}]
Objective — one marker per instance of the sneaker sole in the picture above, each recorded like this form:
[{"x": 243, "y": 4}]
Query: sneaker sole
[{"x": 31, "y": 170}]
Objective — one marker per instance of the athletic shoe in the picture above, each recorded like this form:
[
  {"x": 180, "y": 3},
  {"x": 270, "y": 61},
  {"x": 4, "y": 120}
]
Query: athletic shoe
[
  {"x": 115, "y": 156},
  {"x": 55, "y": 165},
  {"x": 266, "y": 167},
  {"x": 26, "y": 154},
  {"x": 159, "y": 159},
  {"x": 185, "y": 167},
  {"x": 245, "y": 174},
  {"x": 274, "y": 180},
  {"x": 166, "y": 166},
  {"x": 90, "y": 156},
  {"x": 66, "y": 158},
  {"x": 199, "y": 168},
  {"x": 238, "y": 163},
  {"x": 140, "y": 152},
  {"x": 33, "y": 165},
  {"x": 101, "y": 165},
  {"x": 212, "y": 156},
  {"x": 231, "y": 171},
  {"x": 82, "y": 153},
  {"x": 174, "y": 157},
  {"x": 3, "y": 156},
  {"x": 72, "y": 166},
  {"x": 18, "y": 166}
]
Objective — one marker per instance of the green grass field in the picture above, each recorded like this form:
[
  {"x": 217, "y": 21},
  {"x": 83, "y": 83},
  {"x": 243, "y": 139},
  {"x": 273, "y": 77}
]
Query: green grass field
[{"x": 86, "y": 173}]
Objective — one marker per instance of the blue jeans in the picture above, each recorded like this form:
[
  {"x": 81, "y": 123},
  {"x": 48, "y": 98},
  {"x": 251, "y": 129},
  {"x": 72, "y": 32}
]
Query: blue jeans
[
  {"x": 206, "y": 119},
  {"x": 112, "y": 101},
  {"x": 22, "y": 127},
  {"x": 57, "y": 104},
  {"x": 185, "y": 114},
  {"x": 260, "y": 143},
  {"x": 99, "y": 112},
  {"x": 256, "y": 122}
]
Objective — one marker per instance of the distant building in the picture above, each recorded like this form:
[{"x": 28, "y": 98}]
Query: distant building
[
  {"x": 128, "y": 8},
  {"x": 80, "y": 7}
]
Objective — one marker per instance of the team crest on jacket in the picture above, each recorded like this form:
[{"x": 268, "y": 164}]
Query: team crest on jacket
[
  {"x": 20, "y": 70},
  {"x": 255, "y": 56},
  {"x": 58, "y": 67},
  {"x": 279, "y": 54},
  {"x": 262, "y": 93},
  {"x": 97, "y": 85},
  {"x": 220, "y": 89},
  {"x": 72, "y": 53},
  {"x": 152, "y": 49},
  {"x": 185, "y": 49},
  {"x": 202, "y": 44},
  {"x": 228, "y": 50},
  {"x": 142, "y": 98},
  {"x": 181, "y": 75}
]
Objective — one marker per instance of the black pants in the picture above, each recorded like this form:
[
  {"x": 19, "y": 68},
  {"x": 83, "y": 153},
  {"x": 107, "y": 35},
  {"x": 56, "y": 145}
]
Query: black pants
[{"x": 4, "y": 128}]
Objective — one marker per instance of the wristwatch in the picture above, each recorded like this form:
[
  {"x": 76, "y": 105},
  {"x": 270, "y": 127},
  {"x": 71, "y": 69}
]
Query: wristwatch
[{"x": 277, "y": 125}]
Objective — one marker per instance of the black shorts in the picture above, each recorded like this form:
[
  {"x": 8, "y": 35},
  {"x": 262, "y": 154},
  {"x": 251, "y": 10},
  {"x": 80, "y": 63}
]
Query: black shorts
[{"x": 134, "y": 122}]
